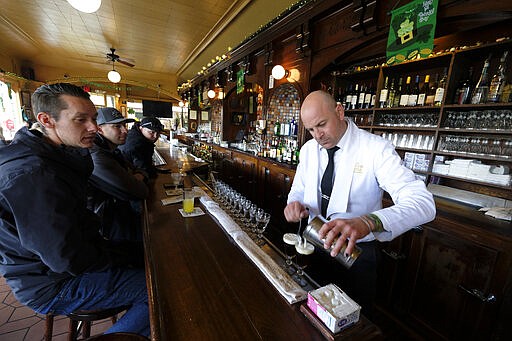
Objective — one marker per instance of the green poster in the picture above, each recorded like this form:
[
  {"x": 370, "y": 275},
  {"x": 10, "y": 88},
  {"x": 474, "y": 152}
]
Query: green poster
[
  {"x": 240, "y": 81},
  {"x": 412, "y": 30}
]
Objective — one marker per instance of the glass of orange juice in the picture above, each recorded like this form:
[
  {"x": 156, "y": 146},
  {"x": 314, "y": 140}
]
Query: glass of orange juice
[{"x": 188, "y": 200}]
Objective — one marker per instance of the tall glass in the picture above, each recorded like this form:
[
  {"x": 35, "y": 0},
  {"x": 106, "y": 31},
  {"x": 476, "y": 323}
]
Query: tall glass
[
  {"x": 304, "y": 250},
  {"x": 262, "y": 220},
  {"x": 188, "y": 200},
  {"x": 289, "y": 241}
]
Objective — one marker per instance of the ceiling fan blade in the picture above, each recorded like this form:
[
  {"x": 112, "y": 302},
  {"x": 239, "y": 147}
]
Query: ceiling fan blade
[{"x": 125, "y": 62}]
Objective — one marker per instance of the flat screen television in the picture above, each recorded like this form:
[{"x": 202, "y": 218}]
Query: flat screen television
[{"x": 156, "y": 109}]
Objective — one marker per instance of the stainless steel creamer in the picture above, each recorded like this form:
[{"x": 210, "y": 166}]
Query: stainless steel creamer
[{"x": 311, "y": 235}]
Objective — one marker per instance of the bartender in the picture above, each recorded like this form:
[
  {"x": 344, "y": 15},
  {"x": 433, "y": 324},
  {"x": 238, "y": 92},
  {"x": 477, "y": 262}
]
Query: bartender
[{"x": 342, "y": 174}]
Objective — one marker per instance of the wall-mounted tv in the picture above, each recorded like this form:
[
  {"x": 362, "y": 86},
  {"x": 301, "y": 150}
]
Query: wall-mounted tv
[{"x": 157, "y": 108}]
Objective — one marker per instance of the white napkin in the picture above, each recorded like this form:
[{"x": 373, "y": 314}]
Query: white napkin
[
  {"x": 196, "y": 212},
  {"x": 224, "y": 219},
  {"x": 284, "y": 284},
  {"x": 504, "y": 213},
  {"x": 172, "y": 200}
]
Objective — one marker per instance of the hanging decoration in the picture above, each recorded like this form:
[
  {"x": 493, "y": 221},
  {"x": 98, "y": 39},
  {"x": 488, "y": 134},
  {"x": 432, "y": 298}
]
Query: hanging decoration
[{"x": 411, "y": 32}]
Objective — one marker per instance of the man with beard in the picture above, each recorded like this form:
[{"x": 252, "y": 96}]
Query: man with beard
[{"x": 140, "y": 144}]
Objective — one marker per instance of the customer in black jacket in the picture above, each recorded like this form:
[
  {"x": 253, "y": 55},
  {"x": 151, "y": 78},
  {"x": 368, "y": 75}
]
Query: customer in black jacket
[
  {"x": 140, "y": 144},
  {"x": 116, "y": 186},
  {"x": 51, "y": 253}
]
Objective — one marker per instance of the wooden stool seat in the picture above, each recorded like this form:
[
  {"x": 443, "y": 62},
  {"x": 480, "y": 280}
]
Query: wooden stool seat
[{"x": 81, "y": 320}]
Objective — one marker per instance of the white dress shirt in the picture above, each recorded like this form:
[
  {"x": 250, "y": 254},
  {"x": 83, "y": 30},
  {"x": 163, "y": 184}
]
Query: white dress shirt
[{"x": 364, "y": 167}]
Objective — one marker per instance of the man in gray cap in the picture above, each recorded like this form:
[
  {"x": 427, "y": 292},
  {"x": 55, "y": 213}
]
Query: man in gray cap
[
  {"x": 140, "y": 144},
  {"x": 116, "y": 187}
]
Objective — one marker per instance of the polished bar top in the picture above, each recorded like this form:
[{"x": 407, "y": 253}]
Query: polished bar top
[{"x": 202, "y": 286}]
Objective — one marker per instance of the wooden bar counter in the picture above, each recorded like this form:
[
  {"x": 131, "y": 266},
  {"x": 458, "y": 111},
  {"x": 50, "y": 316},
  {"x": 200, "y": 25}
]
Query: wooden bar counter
[{"x": 202, "y": 286}]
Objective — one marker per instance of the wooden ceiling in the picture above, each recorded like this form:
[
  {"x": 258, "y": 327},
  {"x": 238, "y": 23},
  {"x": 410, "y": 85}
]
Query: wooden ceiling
[{"x": 168, "y": 41}]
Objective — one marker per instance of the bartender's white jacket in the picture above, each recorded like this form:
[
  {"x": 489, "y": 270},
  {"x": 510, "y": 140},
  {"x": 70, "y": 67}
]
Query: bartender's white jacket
[{"x": 365, "y": 166}]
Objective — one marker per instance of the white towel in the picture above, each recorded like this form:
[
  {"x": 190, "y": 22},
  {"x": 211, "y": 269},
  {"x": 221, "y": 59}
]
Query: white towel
[{"x": 284, "y": 284}]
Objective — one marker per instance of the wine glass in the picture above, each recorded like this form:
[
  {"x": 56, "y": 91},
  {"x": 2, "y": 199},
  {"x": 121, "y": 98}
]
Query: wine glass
[
  {"x": 262, "y": 220},
  {"x": 289, "y": 241},
  {"x": 179, "y": 163}
]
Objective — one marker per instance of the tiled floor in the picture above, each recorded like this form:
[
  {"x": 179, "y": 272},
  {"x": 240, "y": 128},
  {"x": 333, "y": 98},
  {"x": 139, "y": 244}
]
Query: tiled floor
[{"x": 19, "y": 323}]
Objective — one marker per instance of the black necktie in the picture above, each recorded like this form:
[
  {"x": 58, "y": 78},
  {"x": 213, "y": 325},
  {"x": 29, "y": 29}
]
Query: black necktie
[{"x": 326, "y": 184}]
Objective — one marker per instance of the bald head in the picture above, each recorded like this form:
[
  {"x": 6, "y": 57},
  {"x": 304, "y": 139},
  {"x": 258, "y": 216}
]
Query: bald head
[{"x": 323, "y": 118}]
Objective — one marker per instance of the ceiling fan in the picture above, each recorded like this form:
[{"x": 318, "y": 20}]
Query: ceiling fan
[{"x": 113, "y": 57}]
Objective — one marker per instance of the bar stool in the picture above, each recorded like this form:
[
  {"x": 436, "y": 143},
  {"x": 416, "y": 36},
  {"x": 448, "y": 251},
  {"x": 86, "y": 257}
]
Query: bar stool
[
  {"x": 81, "y": 320},
  {"x": 118, "y": 337}
]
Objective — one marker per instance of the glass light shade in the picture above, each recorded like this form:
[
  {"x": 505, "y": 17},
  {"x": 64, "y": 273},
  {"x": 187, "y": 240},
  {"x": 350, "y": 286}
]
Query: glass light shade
[
  {"x": 221, "y": 94},
  {"x": 211, "y": 93},
  {"x": 181, "y": 104},
  {"x": 278, "y": 72},
  {"x": 114, "y": 76},
  {"x": 86, "y": 6}
]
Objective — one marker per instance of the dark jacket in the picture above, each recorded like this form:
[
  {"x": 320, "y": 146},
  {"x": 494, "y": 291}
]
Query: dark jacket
[
  {"x": 139, "y": 150},
  {"x": 115, "y": 194},
  {"x": 47, "y": 235}
]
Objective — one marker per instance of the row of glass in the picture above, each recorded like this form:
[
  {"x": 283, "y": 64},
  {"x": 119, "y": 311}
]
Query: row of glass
[
  {"x": 476, "y": 145},
  {"x": 413, "y": 141},
  {"x": 251, "y": 218},
  {"x": 254, "y": 221},
  {"x": 424, "y": 119},
  {"x": 476, "y": 119}
]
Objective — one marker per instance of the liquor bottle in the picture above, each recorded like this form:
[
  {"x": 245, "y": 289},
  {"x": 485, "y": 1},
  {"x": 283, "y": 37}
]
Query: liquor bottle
[
  {"x": 293, "y": 127},
  {"x": 391, "y": 94},
  {"x": 348, "y": 98},
  {"x": 482, "y": 86},
  {"x": 498, "y": 80},
  {"x": 367, "y": 103},
  {"x": 404, "y": 96},
  {"x": 424, "y": 91},
  {"x": 373, "y": 98},
  {"x": 441, "y": 87},
  {"x": 285, "y": 128},
  {"x": 414, "y": 93},
  {"x": 398, "y": 93},
  {"x": 464, "y": 89},
  {"x": 277, "y": 128},
  {"x": 429, "y": 100},
  {"x": 339, "y": 96},
  {"x": 384, "y": 94},
  {"x": 355, "y": 97},
  {"x": 362, "y": 95}
]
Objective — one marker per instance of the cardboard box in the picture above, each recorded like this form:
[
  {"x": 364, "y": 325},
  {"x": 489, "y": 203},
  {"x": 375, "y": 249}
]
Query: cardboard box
[{"x": 333, "y": 307}]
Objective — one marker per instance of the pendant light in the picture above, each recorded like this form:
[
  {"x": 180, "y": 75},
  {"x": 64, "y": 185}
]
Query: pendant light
[
  {"x": 86, "y": 6},
  {"x": 113, "y": 75}
]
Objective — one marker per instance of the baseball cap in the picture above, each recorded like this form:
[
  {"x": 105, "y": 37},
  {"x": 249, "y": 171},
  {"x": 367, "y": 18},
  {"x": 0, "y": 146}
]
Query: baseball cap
[
  {"x": 111, "y": 115},
  {"x": 152, "y": 123}
]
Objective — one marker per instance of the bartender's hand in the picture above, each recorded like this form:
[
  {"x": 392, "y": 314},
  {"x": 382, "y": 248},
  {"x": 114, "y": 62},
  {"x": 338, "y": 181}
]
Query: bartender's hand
[
  {"x": 344, "y": 230},
  {"x": 295, "y": 211}
]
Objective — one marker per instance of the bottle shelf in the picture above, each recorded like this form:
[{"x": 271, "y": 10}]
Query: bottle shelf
[
  {"x": 415, "y": 150},
  {"x": 479, "y": 106},
  {"x": 476, "y": 131},
  {"x": 412, "y": 108},
  {"x": 415, "y": 128},
  {"x": 445, "y": 122},
  {"x": 479, "y": 156}
]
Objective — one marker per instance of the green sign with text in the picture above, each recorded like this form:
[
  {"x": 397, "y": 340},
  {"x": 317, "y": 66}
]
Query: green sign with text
[
  {"x": 412, "y": 30},
  {"x": 240, "y": 81}
]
